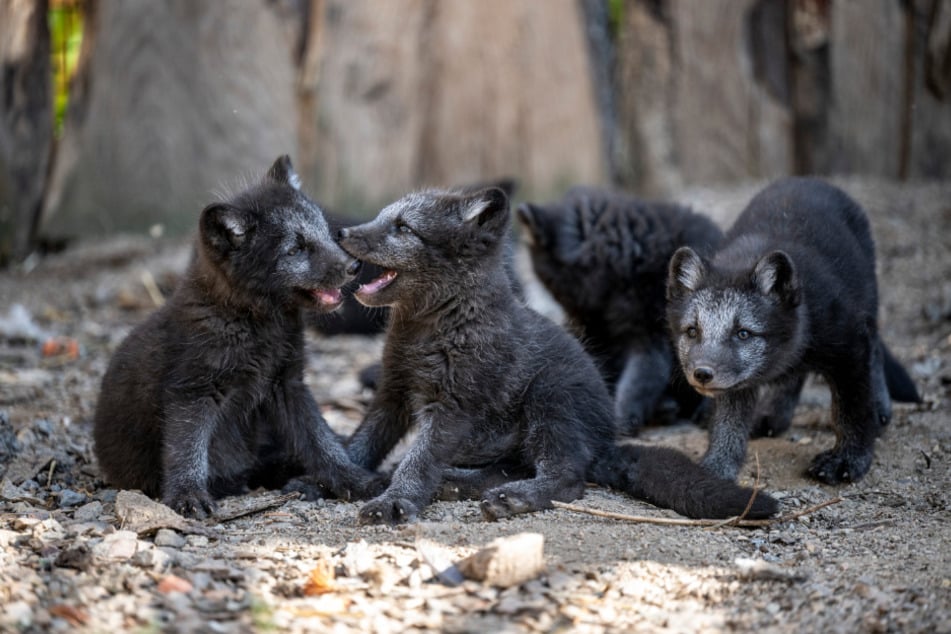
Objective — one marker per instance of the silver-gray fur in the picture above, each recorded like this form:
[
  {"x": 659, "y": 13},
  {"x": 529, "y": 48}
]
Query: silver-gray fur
[
  {"x": 792, "y": 290},
  {"x": 508, "y": 406}
]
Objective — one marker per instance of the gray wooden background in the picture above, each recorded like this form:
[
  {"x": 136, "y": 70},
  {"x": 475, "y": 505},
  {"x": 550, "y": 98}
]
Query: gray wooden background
[{"x": 178, "y": 100}]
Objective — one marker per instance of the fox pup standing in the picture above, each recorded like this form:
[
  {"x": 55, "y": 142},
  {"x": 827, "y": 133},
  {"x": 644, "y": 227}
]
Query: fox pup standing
[
  {"x": 603, "y": 255},
  {"x": 791, "y": 291},
  {"x": 509, "y": 407},
  {"x": 207, "y": 396}
]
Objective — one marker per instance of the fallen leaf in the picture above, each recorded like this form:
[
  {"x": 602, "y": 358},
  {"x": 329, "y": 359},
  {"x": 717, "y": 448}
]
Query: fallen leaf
[
  {"x": 61, "y": 347},
  {"x": 75, "y": 616},
  {"x": 171, "y": 583},
  {"x": 320, "y": 580}
]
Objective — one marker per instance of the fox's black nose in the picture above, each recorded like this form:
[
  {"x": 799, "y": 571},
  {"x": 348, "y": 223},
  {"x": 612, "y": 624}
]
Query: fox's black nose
[
  {"x": 343, "y": 233},
  {"x": 703, "y": 375},
  {"x": 354, "y": 266}
]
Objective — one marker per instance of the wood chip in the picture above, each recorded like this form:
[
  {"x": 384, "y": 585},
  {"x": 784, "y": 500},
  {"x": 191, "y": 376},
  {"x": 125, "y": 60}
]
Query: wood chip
[{"x": 507, "y": 561}]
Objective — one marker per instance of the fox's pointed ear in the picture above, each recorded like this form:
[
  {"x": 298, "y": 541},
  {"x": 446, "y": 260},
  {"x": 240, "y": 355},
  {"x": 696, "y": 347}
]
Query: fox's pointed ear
[
  {"x": 224, "y": 227},
  {"x": 283, "y": 172},
  {"x": 531, "y": 218},
  {"x": 486, "y": 207},
  {"x": 775, "y": 276},
  {"x": 685, "y": 273}
]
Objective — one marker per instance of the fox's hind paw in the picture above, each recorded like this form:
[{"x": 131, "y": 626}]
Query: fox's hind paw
[
  {"x": 512, "y": 499},
  {"x": 309, "y": 488}
]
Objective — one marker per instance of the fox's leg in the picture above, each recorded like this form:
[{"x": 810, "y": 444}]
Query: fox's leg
[
  {"x": 775, "y": 405},
  {"x": 311, "y": 443},
  {"x": 729, "y": 433},
  {"x": 642, "y": 382},
  {"x": 883, "y": 400},
  {"x": 560, "y": 445},
  {"x": 854, "y": 413},
  {"x": 189, "y": 427},
  {"x": 419, "y": 474},
  {"x": 386, "y": 422}
]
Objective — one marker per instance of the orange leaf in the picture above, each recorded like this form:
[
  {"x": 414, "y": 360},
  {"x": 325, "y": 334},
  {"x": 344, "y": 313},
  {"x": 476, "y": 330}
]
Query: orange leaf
[
  {"x": 75, "y": 616},
  {"x": 320, "y": 580},
  {"x": 171, "y": 583}
]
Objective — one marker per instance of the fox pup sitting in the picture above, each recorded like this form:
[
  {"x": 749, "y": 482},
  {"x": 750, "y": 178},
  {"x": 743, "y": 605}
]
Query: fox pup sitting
[
  {"x": 792, "y": 290},
  {"x": 603, "y": 255},
  {"x": 207, "y": 396},
  {"x": 508, "y": 406}
]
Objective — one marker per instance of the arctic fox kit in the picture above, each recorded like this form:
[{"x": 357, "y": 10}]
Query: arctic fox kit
[
  {"x": 207, "y": 395},
  {"x": 509, "y": 407},
  {"x": 603, "y": 255},
  {"x": 792, "y": 290}
]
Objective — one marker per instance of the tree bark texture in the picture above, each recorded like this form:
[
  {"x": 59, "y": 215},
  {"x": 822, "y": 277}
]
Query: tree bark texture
[
  {"x": 180, "y": 99},
  {"x": 26, "y": 121}
]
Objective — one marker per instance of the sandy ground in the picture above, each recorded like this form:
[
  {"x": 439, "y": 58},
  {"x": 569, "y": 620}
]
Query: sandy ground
[{"x": 72, "y": 556}]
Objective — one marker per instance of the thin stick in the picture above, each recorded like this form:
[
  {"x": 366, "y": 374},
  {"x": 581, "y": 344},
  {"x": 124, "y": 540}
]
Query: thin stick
[
  {"x": 261, "y": 506},
  {"x": 148, "y": 281},
  {"x": 49, "y": 476},
  {"x": 677, "y": 521}
]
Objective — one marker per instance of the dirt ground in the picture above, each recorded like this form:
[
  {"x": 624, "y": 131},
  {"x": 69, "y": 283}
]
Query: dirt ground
[{"x": 73, "y": 556}]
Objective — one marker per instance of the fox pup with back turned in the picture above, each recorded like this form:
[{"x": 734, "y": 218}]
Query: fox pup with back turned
[
  {"x": 207, "y": 396},
  {"x": 792, "y": 290},
  {"x": 603, "y": 255},
  {"x": 509, "y": 407}
]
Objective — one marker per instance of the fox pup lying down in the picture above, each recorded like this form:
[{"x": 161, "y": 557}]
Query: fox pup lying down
[
  {"x": 207, "y": 397},
  {"x": 792, "y": 290},
  {"x": 509, "y": 407}
]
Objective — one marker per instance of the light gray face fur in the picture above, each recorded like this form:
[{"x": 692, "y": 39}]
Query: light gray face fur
[
  {"x": 721, "y": 334},
  {"x": 421, "y": 241}
]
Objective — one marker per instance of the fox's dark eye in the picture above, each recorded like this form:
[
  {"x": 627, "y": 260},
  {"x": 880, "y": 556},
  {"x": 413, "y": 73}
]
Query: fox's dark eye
[
  {"x": 743, "y": 334},
  {"x": 294, "y": 250},
  {"x": 691, "y": 332}
]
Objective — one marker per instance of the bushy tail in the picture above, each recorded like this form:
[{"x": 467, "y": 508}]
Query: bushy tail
[
  {"x": 668, "y": 478},
  {"x": 900, "y": 386}
]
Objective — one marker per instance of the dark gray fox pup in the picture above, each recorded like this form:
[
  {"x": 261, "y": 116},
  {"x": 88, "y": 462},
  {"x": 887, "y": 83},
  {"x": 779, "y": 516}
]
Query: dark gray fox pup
[
  {"x": 603, "y": 255},
  {"x": 509, "y": 407},
  {"x": 207, "y": 397},
  {"x": 792, "y": 290},
  {"x": 354, "y": 318}
]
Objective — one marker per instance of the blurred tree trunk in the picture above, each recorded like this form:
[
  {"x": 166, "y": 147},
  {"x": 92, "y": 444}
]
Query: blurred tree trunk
[
  {"x": 176, "y": 100},
  {"x": 703, "y": 94},
  {"x": 26, "y": 121},
  {"x": 438, "y": 92},
  {"x": 928, "y": 108},
  {"x": 726, "y": 90}
]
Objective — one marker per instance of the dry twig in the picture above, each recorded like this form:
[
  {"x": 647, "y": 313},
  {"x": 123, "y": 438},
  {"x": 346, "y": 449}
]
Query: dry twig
[{"x": 678, "y": 521}]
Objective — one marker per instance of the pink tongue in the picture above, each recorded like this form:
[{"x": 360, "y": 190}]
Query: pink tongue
[
  {"x": 379, "y": 283},
  {"x": 329, "y": 296}
]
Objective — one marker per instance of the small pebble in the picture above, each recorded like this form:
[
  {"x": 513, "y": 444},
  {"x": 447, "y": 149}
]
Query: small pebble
[
  {"x": 68, "y": 498},
  {"x": 169, "y": 538}
]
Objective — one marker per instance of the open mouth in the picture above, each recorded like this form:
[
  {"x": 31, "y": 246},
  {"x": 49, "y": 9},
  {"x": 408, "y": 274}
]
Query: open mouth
[
  {"x": 376, "y": 285},
  {"x": 326, "y": 298}
]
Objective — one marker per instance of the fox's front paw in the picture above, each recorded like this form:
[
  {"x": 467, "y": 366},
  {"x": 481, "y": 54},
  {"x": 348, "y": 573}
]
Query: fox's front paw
[
  {"x": 196, "y": 503},
  {"x": 836, "y": 466},
  {"x": 385, "y": 510}
]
